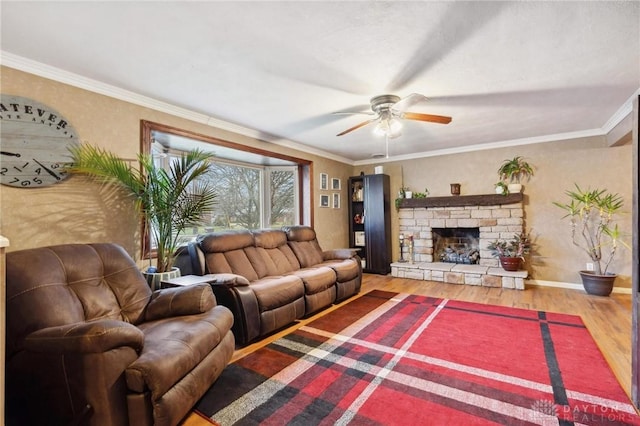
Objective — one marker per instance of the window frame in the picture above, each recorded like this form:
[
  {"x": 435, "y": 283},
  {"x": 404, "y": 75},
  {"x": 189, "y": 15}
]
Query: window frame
[{"x": 304, "y": 176}]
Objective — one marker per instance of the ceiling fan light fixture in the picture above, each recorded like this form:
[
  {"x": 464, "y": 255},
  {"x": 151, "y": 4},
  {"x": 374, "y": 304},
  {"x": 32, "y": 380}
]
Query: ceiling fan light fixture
[
  {"x": 390, "y": 110},
  {"x": 388, "y": 126}
]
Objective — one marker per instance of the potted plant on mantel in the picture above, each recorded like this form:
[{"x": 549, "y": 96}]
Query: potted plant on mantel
[
  {"x": 592, "y": 214},
  {"x": 511, "y": 252},
  {"x": 501, "y": 188},
  {"x": 514, "y": 171},
  {"x": 169, "y": 200}
]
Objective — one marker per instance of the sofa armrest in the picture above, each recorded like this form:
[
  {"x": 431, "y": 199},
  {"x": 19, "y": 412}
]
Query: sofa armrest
[
  {"x": 177, "y": 301},
  {"x": 228, "y": 280},
  {"x": 339, "y": 254},
  {"x": 86, "y": 337}
]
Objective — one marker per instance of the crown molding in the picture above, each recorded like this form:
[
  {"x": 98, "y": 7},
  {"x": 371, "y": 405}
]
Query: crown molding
[
  {"x": 491, "y": 145},
  {"x": 56, "y": 74},
  {"x": 620, "y": 114}
]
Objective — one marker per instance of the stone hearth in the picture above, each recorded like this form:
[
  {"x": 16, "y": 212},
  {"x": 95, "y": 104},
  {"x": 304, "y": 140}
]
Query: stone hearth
[{"x": 453, "y": 273}]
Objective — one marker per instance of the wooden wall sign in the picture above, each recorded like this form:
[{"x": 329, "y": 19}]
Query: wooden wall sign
[{"x": 34, "y": 143}]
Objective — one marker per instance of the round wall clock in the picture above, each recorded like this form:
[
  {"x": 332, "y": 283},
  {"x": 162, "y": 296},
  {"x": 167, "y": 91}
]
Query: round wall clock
[{"x": 34, "y": 143}]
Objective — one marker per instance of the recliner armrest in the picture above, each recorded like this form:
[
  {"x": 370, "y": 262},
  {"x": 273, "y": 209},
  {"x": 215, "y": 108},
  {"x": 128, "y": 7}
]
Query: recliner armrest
[
  {"x": 228, "y": 280},
  {"x": 86, "y": 337},
  {"x": 177, "y": 301},
  {"x": 339, "y": 254}
]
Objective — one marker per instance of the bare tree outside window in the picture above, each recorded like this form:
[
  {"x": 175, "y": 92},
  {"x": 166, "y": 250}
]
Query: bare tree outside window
[
  {"x": 282, "y": 198},
  {"x": 239, "y": 196}
]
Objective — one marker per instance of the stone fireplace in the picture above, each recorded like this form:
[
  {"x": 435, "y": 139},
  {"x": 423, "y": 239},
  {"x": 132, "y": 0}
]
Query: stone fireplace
[{"x": 494, "y": 217}]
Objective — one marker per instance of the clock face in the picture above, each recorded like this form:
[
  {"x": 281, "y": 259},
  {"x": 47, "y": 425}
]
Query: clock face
[{"x": 34, "y": 143}]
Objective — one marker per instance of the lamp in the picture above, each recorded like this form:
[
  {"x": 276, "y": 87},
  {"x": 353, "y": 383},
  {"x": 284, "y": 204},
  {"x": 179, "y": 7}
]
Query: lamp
[{"x": 388, "y": 125}]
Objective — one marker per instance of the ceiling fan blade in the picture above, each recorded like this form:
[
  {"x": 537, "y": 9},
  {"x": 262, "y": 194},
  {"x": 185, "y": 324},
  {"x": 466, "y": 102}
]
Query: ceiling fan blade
[
  {"x": 427, "y": 117},
  {"x": 408, "y": 101},
  {"x": 357, "y": 109},
  {"x": 353, "y": 113},
  {"x": 364, "y": 123}
]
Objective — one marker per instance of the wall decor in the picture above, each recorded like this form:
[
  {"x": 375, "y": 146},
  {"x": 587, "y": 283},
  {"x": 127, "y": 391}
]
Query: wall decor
[
  {"x": 324, "y": 181},
  {"x": 324, "y": 200},
  {"x": 335, "y": 184},
  {"x": 336, "y": 200},
  {"x": 35, "y": 143}
]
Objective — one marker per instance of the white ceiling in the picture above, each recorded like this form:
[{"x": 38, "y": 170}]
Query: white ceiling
[{"x": 507, "y": 72}]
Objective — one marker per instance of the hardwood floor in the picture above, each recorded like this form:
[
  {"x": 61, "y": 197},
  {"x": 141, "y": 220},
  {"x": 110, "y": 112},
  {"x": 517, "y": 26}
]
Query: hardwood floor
[{"x": 607, "y": 318}]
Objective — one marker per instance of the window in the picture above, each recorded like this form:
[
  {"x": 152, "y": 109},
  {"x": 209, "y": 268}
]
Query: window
[
  {"x": 252, "y": 197},
  {"x": 256, "y": 189}
]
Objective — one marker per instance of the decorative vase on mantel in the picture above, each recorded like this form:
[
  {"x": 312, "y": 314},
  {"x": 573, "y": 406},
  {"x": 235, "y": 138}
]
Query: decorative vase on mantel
[{"x": 511, "y": 263}]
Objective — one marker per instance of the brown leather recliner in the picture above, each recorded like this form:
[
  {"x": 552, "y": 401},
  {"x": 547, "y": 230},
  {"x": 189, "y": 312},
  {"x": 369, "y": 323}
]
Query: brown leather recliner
[{"x": 88, "y": 342}]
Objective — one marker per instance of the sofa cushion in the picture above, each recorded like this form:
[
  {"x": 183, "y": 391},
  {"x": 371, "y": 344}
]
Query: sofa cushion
[
  {"x": 304, "y": 245},
  {"x": 272, "y": 247},
  {"x": 307, "y": 252},
  {"x": 173, "y": 347},
  {"x": 274, "y": 292},
  {"x": 220, "y": 242},
  {"x": 316, "y": 279},
  {"x": 269, "y": 238},
  {"x": 225, "y": 253},
  {"x": 345, "y": 270}
]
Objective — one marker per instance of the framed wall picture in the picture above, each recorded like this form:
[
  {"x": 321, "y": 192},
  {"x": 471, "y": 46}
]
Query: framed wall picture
[
  {"x": 324, "y": 181},
  {"x": 324, "y": 200},
  {"x": 359, "y": 238},
  {"x": 336, "y": 200},
  {"x": 335, "y": 184}
]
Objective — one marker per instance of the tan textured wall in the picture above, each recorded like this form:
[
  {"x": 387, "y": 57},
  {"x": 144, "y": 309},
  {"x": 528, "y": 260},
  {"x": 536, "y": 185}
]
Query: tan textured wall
[
  {"x": 77, "y": 211},
  {"x": 586, "y": 161}
]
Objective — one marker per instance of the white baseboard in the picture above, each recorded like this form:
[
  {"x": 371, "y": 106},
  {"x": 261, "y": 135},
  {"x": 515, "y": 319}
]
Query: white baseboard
[{"x": 572, "y": 286}]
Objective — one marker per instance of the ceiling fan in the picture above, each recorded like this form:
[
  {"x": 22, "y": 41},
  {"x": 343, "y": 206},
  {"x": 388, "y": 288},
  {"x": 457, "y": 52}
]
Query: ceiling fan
[{"x": 389, "y": 110}]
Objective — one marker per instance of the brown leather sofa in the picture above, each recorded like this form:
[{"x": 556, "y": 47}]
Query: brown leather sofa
[
  {"x": 270, "y": 278},
  {"x": 88, "y": 342}
]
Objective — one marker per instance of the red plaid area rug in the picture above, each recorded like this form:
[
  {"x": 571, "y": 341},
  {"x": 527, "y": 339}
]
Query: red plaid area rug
[{"x": 398, "y": 359}]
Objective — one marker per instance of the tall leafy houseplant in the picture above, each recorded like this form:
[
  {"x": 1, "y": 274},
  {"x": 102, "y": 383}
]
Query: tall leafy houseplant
[
  {"x": 592, "y": 213},
  {"x": 169, "y": 200}
]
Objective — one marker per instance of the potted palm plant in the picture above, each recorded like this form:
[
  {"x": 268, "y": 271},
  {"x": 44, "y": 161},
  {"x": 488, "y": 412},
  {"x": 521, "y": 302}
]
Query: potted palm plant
[
  {"x": 511, "y": 252},
  {"x": 591, "y": 215},
  {"x": 514, "y": 171},
  {"x": 169, "y": 200}
]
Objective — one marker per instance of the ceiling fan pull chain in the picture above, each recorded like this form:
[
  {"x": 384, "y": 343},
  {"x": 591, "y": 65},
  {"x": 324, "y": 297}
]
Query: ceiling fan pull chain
[{"x": 386, "y": 142}]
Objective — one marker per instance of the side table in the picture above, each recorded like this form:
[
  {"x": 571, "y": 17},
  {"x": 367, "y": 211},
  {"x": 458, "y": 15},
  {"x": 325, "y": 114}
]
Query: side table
[{"x": 186, "y": 280}]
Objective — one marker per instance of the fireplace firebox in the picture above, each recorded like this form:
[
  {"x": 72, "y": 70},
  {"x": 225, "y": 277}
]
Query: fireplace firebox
[{"x": 456, "y": 245}]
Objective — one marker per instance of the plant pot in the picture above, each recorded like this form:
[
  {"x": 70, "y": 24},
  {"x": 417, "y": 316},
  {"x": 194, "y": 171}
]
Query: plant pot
[
  {"x": 598, "y": 285},
  {"x": 511, "y": 263},
  {"x": 501, "y": 190},
  {"x": 514, "y": 188},
  {"x": 408, "y": 194},
  {"x": 155, "y": 278}
]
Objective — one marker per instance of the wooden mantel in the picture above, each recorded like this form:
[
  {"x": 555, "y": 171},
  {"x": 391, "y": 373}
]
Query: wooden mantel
[{"x": 461, "y": 200}]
